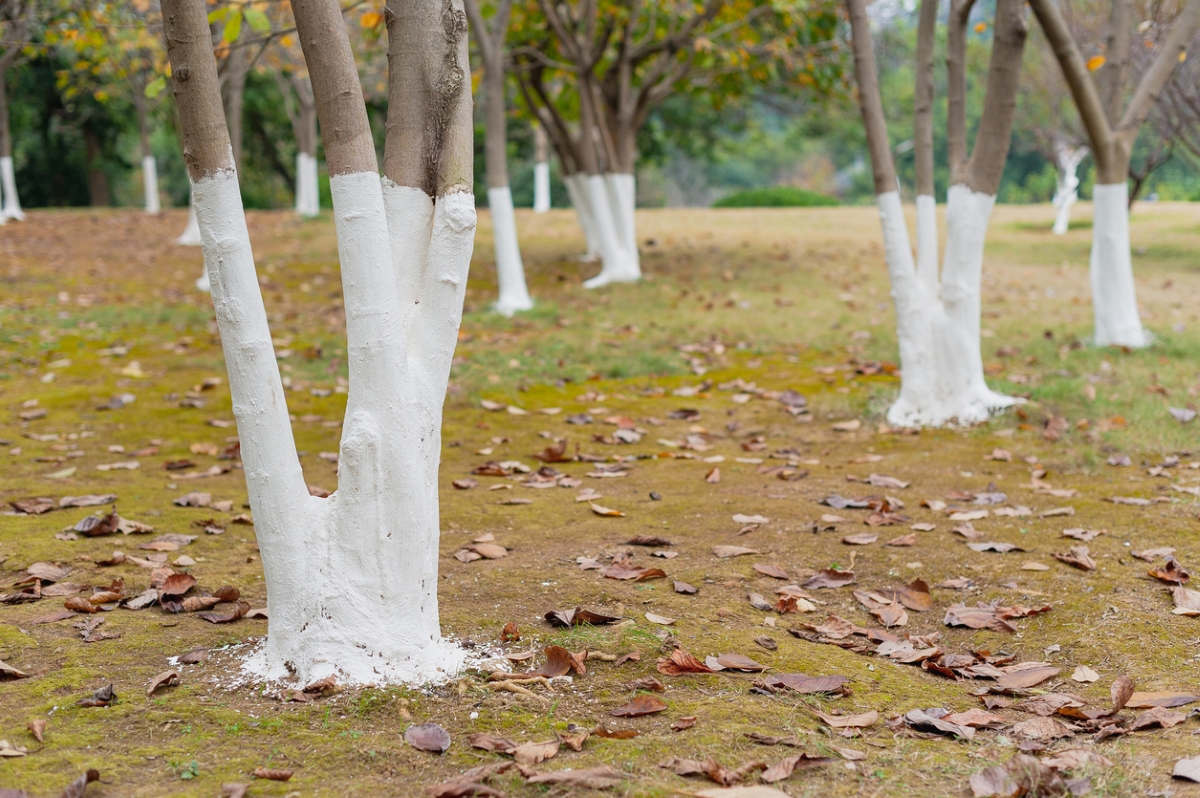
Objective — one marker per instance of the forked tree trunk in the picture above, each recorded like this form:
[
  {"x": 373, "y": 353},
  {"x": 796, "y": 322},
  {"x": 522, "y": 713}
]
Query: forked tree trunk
[
  {"x": 938, "y": 320},
  {"x": 510, "y": 270},
  {"x": 1112, "y": 135},
  {"x": 351, "y": 579},
  {"x": 1067, "y": 192},
  {"x": 541, "y": 170}
]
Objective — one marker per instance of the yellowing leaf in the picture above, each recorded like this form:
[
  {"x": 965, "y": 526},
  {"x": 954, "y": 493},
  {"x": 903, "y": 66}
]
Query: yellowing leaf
[
  {"x": 1095, "y": 62},
  {"x": 371, "y": 19},
  {"x": 980, "y": 27},
  {"x": 233, "y": 27}
]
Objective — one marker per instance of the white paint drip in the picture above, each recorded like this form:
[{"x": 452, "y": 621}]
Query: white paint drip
[
  {"x": 541, "y": 187},
  {"x": 308, "y": 197},
  {"x": 510, "y": 271},
  {"x": 1067, "y": 192},
  {"x": 1114, "y": 296},
  {"x": 150, "y": 184},
  {"x": 11, "y": 206},
  {"x": 577, "y": 192},
  {"x": 617, "y": 263},
  {"x": 941, "y": 367}
]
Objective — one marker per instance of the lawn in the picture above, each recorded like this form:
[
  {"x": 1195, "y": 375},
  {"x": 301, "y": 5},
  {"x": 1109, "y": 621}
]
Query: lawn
[{"x": 112, "y": 382}]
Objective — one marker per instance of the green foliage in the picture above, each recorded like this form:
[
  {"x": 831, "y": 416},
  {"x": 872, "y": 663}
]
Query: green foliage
[{"x": 775, "y": 197}]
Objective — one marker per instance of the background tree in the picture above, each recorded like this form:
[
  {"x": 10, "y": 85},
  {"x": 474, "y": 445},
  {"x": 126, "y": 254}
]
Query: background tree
[
  {"x": 16, "y": 25},
  {"x": 490, "y": 24},
  {"x": 621, "y": 60},
  {"x": 937, "y": 320},
  {"x": 351, "y": 579},
  {"x": 1112, "y": 123}
]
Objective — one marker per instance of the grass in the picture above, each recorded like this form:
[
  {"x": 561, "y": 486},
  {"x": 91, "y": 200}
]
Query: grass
[{"x": 790, "y": 298}]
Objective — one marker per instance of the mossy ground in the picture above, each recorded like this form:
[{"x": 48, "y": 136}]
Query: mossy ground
[{"x": 793, "y": 296}]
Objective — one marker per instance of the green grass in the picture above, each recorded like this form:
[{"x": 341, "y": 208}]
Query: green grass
[{"x": 775, "y": 197}]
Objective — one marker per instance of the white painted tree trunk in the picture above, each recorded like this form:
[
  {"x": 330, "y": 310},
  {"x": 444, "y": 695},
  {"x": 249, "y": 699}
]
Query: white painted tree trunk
[
  {"x": 622, "y": 193},
  {"x": 938, "y": 326},
  {"x": 613, "y": 219},
  {"x": 927, "y": 242},
  {"x": 190, "y": 237},
  {"x": 335, "y": 566},
  {"x": 11, "y": 207},
  {"x": 1067, "y": 192},
  {"x": 577, "y": 191},
  {"x": 150, "y": 184},
  {"x": 308, "y": 193},
  {"x": 510, "y": 271},
  {"x": 1114, "y": 296},
  {"x": 541, "y": 187}
]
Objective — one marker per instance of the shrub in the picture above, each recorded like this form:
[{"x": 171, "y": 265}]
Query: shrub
[{"x": 775, "y": 197}]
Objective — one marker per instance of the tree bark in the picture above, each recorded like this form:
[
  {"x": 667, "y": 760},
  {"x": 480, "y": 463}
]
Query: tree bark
[
  {"x": 233, "y": 97},
  {"x": 986, "y": 166},
  {"x": 956, "y": 85},
  {"x": 1110, "y": 80},
  {"x": 923, "y": 97},
  {"x": 869, "y": 100}
]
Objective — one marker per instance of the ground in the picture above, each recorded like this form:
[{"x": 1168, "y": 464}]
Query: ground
[{"x": 97, "y": 304}]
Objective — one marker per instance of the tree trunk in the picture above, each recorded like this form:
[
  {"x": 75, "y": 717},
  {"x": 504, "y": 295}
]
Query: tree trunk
[
  {"x": 927, "y": 232},
  {"x": 541, "y": 170},
  {"x": 577, "y": 192},
  {"x": 1067, "y": 192},
  {"x": 937, "y": 321},
  {"x": 510, "y": 270},
  {"x": 351, "y": 579},
  {"x": 149, "y": 167},
  {"x": 99, "y": 195},
  {"x": 10, "y": 203},
  {"x": 304, "y": 123},
  {"x": 233, "y": 95}
]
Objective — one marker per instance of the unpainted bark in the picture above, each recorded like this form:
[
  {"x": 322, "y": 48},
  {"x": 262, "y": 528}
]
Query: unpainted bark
[
  {"x": 869, "y": 100},
  {"x": 5, "y": 131},
  {"x": 923, "y": 97},
  {"x": 956, "y": 86},
  {"x": 196, "y": 88},
  {"x": 489, "y": 40},
  {"x": 541, "y": 152},
  {"x": 233, "y": 95},
  {"x": 14, "y": 32},
  {"x": 1110, "y": 80},
  {"x": 986, "y": 166},
  {"x": 99, "y": 195},
  {"x": 349, "y": 147},
  {"x": 429, "y": 128},
  {"x": 305, "y": 125}
]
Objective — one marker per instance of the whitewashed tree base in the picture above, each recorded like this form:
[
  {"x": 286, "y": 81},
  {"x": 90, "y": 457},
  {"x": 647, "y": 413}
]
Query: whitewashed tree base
[
  {"x": 150, "y": 185},
  {"x": 610, "y": 199},
  {"x": 541, "y": 187},
  {"x": 10, "y": 207},
  {"x": 942, "y": 381},
  {"x": 577, "y": 192},
  {"x": 190, "y": 237},
  {"x": 1067, "y": 192},
  {"x": 1114, "y": 295},
  {"x": 335, "y": 567},
  {"x": 510, "y": 270},
  {"x": 308, "y": 192}
]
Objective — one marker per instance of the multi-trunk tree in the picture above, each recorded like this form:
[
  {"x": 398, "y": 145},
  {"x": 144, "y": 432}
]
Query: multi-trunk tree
[
  {"x": 351, "y": 579},
  {"x": 1112, "y": 123},
  {"x": 16, "y": 25},
  {"x": 938, "y": 309},
  {"x": 490, "y": 32}
]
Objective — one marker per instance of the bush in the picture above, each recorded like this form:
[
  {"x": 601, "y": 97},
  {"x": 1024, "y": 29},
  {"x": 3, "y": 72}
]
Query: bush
[{"x": 775, "y": 197}]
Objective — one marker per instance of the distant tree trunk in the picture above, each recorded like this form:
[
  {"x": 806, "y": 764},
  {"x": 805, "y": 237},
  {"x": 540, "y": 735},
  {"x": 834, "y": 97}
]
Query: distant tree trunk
[
  {"x": 1114, "y": 295},
  {"x": 1067, "y": 193},
  {"x": 938, "y": 320},
  {"x": 149, "y": 167},
  {"x": 98, "y": 190},
  {"x": 510, "y": 269},
  {"x": 10, "y": 203},
  {"x": 304, "y": 125},
  {"x": 541, "y": 170},
  {"x": 351, "y": 579}
]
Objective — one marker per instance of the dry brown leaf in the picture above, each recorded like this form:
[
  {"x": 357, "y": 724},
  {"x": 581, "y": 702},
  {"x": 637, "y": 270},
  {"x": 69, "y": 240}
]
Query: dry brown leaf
[
  {"x": 644, "y": 704},
  {"x": 785, "y": 768},
  {"x": 164, "y": 679},
  {"x": 680, "y": 663},
  {"x": 428, "y": 737},
  {"x": 533, "y": 753},
  {"x": 859, "y": 721},
  {"x": 271, "y": 774}
]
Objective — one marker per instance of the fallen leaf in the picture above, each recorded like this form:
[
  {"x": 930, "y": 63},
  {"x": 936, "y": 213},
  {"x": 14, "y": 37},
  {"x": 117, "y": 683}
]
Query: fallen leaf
[
  {"x": 734, "y": 662},
  {"x": 1171, "y": 572},
  {"x": 1188, "y": 768},
  {"x": 1160, "y": 699},
  {"x": 644, "y": 704},
  {"x": 608, "y": 511},
  {"x": 659, "y": 619},
  {"x": 558, "y": 663},
  {"x": 578, "y": 617},
  {"x": 533, "y": 753},
  {"x": 684, "y": 723},
  {"x": 685, "y": 588},
  {"x": 1022, "y": 775},
  {"x": 754, "y": 791},
  {"x": 1121, "y": 692},
  {"x": 428, "y": 737},
  {"x": 1077, "y": 557},
  {"x": 272, "y": 774},
  {"x": 78, "y": 787},
  {"x": 615, "y": 734},
  {"x": 741, "y": 518},
  {"x": 861, "y": 539},
  {"x": 773, "y": 571},
  {"x": 100, "y": 698},
  {"x": 785, "y": 768},
  {"x": 164, "y": 679},
  {"x": 239, "y": 609},
  {"x": 1024, "y": 679},
  {"x": 681, "y": 662},
  {"x": 1002, "y": 548},
  {"x": 490, "y": 742},
  {"x": 828, "y": 578},
  {"x": 1157, "y": 716},
  {"x": 859, "y": 721},
  {"x": 37, "y": 727},
  {"x": 713, "y": 476},
  {"x": 1187, "y": 601},
  {"x": 733, "y": 551},
  {"x": 596, "y": 778},
  {"x": 806, "y": 685},
  {"x": 1084, "y": 674}
]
